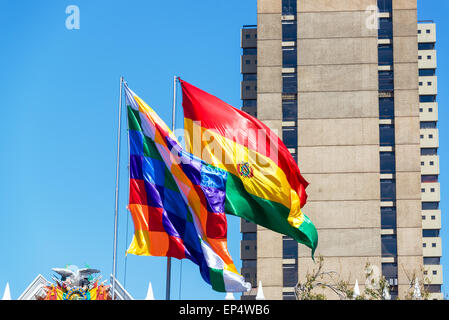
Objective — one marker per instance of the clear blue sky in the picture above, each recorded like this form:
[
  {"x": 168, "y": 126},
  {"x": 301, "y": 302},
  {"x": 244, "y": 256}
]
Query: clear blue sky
[{"x": 58, "y": 123}]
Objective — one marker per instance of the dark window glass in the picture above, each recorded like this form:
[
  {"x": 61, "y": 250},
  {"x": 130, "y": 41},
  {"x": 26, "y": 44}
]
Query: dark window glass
[
  {"x": 386, "y": 134},
  {"x": 390, "y": 270},
  {"x": 289, "y": 57},
  {"x": 388, "y": 218},
  {"x": 387, "y": 190},
  {"x": 386, "y": 81},
  {"x": 290, "y": 137},
  {"x": 289, "y": 83},
  {"x": 288, "y": 296},
  {"x": 249, "y": 51},
  {"x": 385, "y": 55},
  {"x": 249, "y": 103},
  {"x": 249, "y": 263},
  {"x": 428, "y": 98},
  {"x": 289, "y": 248},
  {"x": 433, "y": 288},
  {"x": 386, "y": 108},
  {"x": 387, "y": 162},
  {"x": 289, "y": 31},
  {"x": 295, "y": 157},
  {"x": 431, "y": 260},
  {"x": 428, "y": 124},
  {"x": 426, "y": 72},
  {"x": 431, "y": 233},
  {"x": 249, "y": 236},
  {"x": 290, "y": 275},
  {"x": 289, "y": 110},
  {"x": 426, "y": 46},
  {"x": 429, "y": 178},
  {"x": 429, "y": 151},
  {"x": 389, "y": 245},
  {"x": 289, "y": 7},
  {"x": 385, "y": 28},
  {"x": 430, "y": 205},
  {"x": 385, "y": 5},
  {"x": 249, "y": 77}
]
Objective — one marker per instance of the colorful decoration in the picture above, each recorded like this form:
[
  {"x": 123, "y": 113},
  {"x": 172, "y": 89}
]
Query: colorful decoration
[{"x": 76, "y": 284}]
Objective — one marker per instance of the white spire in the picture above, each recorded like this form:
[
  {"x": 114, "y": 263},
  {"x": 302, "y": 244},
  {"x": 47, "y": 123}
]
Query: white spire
[
  {"x": 260, "y": 295},
  {"x": 356, "y": 290},
  {"x": 7, "y": 293},
  {"x": 229, "y": 296},
  {"x": 417, "y": 291},
  {"x": 150, "y": 295},
  {"x": 386, "y": 293}
]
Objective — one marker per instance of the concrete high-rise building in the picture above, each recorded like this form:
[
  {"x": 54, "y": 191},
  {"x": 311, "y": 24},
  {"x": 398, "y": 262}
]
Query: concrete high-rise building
[{"x": 351, "y": 90}]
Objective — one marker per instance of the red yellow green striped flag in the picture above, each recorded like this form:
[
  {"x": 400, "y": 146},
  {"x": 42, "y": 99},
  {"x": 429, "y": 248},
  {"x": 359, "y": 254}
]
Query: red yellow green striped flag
[{"x": 264, "y": 183}]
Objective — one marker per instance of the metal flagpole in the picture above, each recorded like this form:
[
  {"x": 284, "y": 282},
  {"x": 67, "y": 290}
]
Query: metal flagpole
[
  {"x": 114, "y": 259},
  {"x": 167, "y": 285}
]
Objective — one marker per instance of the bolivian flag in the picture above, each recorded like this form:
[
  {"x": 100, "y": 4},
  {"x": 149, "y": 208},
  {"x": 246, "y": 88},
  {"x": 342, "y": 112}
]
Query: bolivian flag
[{"x": 264, "y": 184}]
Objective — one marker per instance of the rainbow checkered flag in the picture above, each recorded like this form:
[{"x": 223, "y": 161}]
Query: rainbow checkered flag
[{"x": 176, "y": 200}]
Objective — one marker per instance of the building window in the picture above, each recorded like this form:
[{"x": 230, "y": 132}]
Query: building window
[
  {"x": 289, "y": 110},
  {"x": 429, "y": 151},
  {"x": 427, "y": 31},
  {"x": 386, "y": 135},
  {"x": 289, "y": 83},
  {"x": 434, "y": 272},
  {"x": 289, "y": 57},
  {"x": 431, "y": 260},
  {"x": 428, "y": 124},
  {"x": 426, "y": 46},
  {"x": 389, "y": 245},
  {"x": 420, "y": 83},
  {"x": 423, "y": 217},
  {"x": 424, "y": 245},
  {"x": 429, "y": 178},
  {"x": 430, "y": 205},
  {"x": 289, "y": 248},
  {"x": 249, "y": 263},
  {"x": 289, "y": 7},
  {"x": 387, "y": 162},
  {"x": 249, "y": 236},
  {"x": 434, "y": 245},
  {"x": 386, "y": 81},
  {"x": 290, "y": 137},
  {"x": 430, "y": 233},
  {"x": 432, "y": 217},
  {"x": 289, "y": 31},
  {"x": 385, "y": 28},
  {"x": 388, "y": 217},
  {"x": 427, "y": 98},
  {"x": 385, "y": 54},
  {"x": 429, "y": 83},
  {"x": 426, "y": 72},
  {"x": 430, "y": 110},
  {"x": 419, "y": 31},
  {"x": 290, "y": 275},
  {"x": 430, "y": 136},
  {"x": 249, "y": 51},
  {"x": 250, "y": 103},
  {"x": 419, "y": 57},
  {"x": 249, "y": 77},
  {"x": 386, "y": 108},
  {"x": 388, "y": 190},
  {"x": 420, "y": 109}
]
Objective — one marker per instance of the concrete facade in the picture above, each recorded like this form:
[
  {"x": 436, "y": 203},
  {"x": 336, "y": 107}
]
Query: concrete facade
[{"x": 339, "y": 143}]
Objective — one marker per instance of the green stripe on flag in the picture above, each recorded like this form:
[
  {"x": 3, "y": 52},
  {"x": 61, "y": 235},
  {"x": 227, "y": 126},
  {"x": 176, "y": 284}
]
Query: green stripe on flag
[
  {"x": 217, "y": 280},
  {"x": 134, "y": 120},
  {"x": 269, "y": 214}
]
